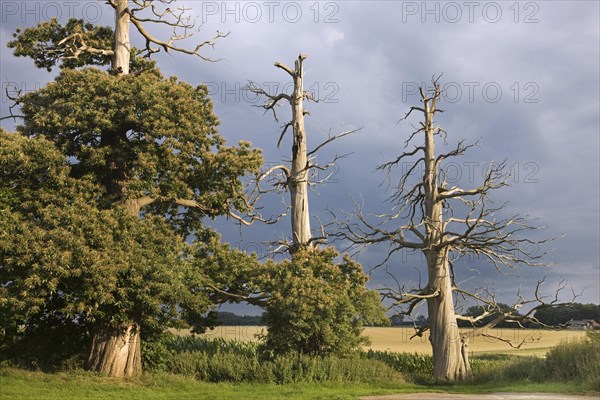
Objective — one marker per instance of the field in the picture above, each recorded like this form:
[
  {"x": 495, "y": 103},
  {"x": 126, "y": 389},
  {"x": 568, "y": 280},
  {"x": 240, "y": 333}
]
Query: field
[{"x": 536, "y": 342}]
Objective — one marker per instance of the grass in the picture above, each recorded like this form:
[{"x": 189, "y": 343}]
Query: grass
[{"x": 19, "y": 384}]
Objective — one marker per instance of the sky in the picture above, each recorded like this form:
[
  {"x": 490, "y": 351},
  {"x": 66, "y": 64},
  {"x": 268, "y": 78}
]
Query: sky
[{"x": 522, "y": 78}]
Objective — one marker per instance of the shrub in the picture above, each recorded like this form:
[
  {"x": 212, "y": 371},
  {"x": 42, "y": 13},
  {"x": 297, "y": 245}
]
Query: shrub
[
  {"x": 318, "y": 306},
  {"x": 156, "y": 351},
  {"x": 569, "y": 361},
  {"x": 576, "y": 360},
  {"x": 530, "y": 369}
]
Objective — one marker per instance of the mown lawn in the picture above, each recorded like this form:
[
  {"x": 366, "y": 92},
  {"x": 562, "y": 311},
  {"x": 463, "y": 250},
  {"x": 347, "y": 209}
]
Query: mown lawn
[{"x": 20, "y": 384}]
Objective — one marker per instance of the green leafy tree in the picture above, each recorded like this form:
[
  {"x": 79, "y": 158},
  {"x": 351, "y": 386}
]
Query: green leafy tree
[
  {"x": 51, "y": 43},
  {"x": 83, "y": 268},
  {"x": 318, "y": 306},
  {"x": 151, "y": 144},
  {"x": 313, "y": 304}
]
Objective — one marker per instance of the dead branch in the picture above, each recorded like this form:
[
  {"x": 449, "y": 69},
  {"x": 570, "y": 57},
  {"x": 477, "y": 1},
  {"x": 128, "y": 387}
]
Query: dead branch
[
  {"x": 331, "y": 138},
  {"x": 262, "y": 300}
]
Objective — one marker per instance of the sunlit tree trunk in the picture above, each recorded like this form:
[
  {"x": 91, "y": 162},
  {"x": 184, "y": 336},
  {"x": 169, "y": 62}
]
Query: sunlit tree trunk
[
  {"x": 449, "y": 362},
  {"x": 122, "y": 49},
  {"x": 116, "y": 348},
  {"x": 116, "y": 351},
  {"x": 298, "y": 181},
  {"x": 450, "y": 355}
]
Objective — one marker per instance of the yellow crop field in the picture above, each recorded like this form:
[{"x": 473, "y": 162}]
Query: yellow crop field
[{"x": 535, "y": 342}]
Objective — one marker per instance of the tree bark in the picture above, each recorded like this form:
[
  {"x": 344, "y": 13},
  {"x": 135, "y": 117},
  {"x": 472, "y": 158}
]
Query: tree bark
[
  {"x": 449, "y": 362},
  {"x": 122, "y": 50},
  {"x": 298, "y": 181},
  {"x": 116, "y": 351},
  {"x": 450, "y": 348}
]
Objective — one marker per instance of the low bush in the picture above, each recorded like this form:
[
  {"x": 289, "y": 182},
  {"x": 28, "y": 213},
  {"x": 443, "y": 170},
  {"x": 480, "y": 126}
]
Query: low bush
[
  {"x": 571, "y": 361},
  {"x": 577, "y": 360}
]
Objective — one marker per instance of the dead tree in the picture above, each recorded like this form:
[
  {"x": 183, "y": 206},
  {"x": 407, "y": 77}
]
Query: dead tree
[
  {"x": 139, "y": 13},
  {"x": 428, "y": 208},
  {"x": 296, "y": 178}
]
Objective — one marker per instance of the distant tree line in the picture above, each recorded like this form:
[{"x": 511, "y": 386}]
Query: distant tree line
[
  {"x": 225, "y": 318},
  {"x": 230, "y": 319},
  {"x": 563, "y": 314}
]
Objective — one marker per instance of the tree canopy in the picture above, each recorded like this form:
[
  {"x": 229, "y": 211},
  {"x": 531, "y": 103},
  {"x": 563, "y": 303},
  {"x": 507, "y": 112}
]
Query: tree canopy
[
  {"x": 144, "y": 137},
  {"x": 81, "y": 263},
  {"x": 141, "y": 164}
]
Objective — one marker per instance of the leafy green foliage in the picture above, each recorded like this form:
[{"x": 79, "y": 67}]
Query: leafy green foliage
[
  {"x": 81, "y": 264},
  {"x": 44, "y": 44},
  {"x": 143, "y": 135},
  {"x": 318, "y": 306},
  {"x": 42, "y": 213}
]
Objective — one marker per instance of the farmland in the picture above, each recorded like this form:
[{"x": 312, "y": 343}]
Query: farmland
[{"x": 535, "y": 342}]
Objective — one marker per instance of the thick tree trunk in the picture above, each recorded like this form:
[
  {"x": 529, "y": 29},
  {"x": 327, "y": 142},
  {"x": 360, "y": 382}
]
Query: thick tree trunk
[
  {"x": 122, "y": 50},
  {"x": 298, "y": 182},
  {"x": 116, "y": 351},
  {"x": 450, "y": 351}
]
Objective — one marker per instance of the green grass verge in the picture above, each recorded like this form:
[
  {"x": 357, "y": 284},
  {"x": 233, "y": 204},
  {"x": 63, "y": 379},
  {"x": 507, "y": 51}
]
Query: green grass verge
[{"x": 21, "y": 384}]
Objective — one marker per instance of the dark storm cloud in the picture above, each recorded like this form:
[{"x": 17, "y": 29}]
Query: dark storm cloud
[{"x": 522, "y": 78}]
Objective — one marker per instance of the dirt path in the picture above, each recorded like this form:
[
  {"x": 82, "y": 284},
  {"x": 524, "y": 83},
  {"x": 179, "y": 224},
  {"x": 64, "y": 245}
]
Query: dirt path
[{"x": 493, "y": 396}]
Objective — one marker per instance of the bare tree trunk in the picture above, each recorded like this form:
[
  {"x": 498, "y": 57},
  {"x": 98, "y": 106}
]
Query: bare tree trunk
[
  {"x": 122, "y": 50},
  {"x": 298, "y": 182},
  {"x": 450, "y": 354},
  {"x": 116, "y": 350},
  {"x": 448, "y": 362}
]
